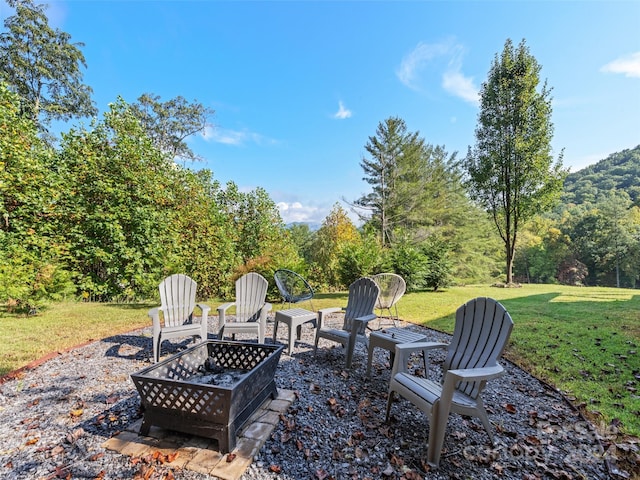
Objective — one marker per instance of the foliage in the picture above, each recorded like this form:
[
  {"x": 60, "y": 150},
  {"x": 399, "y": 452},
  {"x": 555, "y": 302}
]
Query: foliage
[
  {"x": 119, "y": 207},
  {"x": 409, "y": 262},
  {"x": 542, "y": 248},
  {"x": 360, "y": 259},
  {"x": 336, "y": 233},
  {"x": 395, "y": 155},
  {"x": 30, "y": 268},
  {"x": 438, "y": 262},
  {"x": 168, "y": 124},
  {"x": 510, "y": 169},
  {"x": 302, "y": 237},
  {"x": 606, "y": 237},
  {"x": 43, "y": 67},
  {"x": 205, "y": 246},
  {"x": 620, "y": 171},
  {"x": 258, "y": 235}
]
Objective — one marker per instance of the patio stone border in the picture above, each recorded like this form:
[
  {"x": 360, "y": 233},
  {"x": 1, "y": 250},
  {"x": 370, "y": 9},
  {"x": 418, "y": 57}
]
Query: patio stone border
[{"x": 198, "y": 453}]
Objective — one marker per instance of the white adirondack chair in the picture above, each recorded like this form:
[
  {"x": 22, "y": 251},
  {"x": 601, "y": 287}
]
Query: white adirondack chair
[
  {"x": 174, "y": 318},
  {"x": 251, "y": 308},
  {"x": 392, "y": 288},
  {"x": 358, "y": 313},
  {"x": 481, "y": 332}
]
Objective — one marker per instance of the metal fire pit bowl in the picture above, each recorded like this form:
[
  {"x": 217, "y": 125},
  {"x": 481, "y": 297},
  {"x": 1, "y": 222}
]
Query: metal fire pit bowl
[{"x": 176, "y": 395}]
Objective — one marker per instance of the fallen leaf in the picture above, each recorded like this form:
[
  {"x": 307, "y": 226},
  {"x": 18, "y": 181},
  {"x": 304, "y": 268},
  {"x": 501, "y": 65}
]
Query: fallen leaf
[
  {"x": 321, "y": 474},
  {"x": 510, "y": 408},
  {"x": 532, "y": 440},
  {"x": 396, "y": 460},
  {"x": 57, "y": 450},
  {"x": 231, "y": 457},
  {"x": 170, "y": 457},
  {"x": 387, "y": 472},
  {"x": 77, "y": 412},
  {"x": 275, "y": 468},
  {"x": 411, "y": 475},
  {"x": 32, "y": 441}
]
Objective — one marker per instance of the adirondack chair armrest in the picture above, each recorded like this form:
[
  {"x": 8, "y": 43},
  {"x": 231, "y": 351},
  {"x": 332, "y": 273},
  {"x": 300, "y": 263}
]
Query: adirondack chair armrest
[
  {"x": 154, "y": 315},
  {"x": 474, "y": 374},
  {"x": 453, "y": 377},
  {"x": 205, "y": 309},
  {"x": 404, "y": 351},
  {"x": 204, "y": 321},
  {"x": 364, "y": 320},
  {"x": 324, "y": 312},
  {"x": 222, "y": 310}
]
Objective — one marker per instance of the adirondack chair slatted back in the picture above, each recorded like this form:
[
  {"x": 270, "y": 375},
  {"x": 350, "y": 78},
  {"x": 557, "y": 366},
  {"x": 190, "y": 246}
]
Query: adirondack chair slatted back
[
  {"x": 392, "y": 288},
  {"x": 251, "y": 292},
  {"x": 293, "y": 287},
  {"x": 482, "y": 330},
  {"x": 178, "y": 299},
  {"x": 363, "y": 294}
]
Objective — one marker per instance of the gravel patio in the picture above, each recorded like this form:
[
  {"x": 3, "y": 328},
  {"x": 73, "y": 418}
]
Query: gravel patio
[{"x": 57, "y": 417}]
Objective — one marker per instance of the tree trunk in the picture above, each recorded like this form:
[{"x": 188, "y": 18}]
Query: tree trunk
[{"x": 509, "y": 266}]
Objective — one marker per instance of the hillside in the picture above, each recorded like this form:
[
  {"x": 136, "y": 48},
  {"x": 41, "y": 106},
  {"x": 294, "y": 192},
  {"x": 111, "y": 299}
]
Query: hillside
[{"x": 619, "y": 170}]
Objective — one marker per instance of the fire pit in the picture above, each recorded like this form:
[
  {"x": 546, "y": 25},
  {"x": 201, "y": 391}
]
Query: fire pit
[{"x": 210, "y": 389}]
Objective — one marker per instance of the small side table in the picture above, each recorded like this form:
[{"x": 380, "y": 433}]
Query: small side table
[
  {"x": 294, "y": 318},
  {"x": 388, "y": 338}
]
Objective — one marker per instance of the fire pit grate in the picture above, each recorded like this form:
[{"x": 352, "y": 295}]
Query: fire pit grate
[{"x": 174, "y": 395}]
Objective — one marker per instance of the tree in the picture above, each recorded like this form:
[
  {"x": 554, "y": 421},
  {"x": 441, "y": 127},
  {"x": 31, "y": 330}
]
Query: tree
[
  {"x": 606, "y": 237},
  {"x": 335, "y": 234},
  {"x": 261, "y": 242},
  {"x": 168, "y": 124},
  {"x": 395, "y": 155},
  {"x": 31, "y": 270},
  {"x": 43, "y": 67},
  {"x": 511, "y": 171},
  {"x": 120, "y": 205}
]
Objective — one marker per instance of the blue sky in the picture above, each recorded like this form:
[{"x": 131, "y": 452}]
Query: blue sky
[{"x": 299, "y": 86}]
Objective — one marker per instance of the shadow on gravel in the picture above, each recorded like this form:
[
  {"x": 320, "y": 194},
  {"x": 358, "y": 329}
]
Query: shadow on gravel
[{"x": 139, "y": 347}]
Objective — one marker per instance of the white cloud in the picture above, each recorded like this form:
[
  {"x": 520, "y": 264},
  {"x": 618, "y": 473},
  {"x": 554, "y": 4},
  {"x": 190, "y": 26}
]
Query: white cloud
[
  {"x": 416, "y": 60},
  {"x": 460, "y": 86},
  {"x": 342, "y": 112},
  {"x": 234, "y": 137},
  {"x": 629, "y": 65},
  {"x": 296, "y": 212},
  {"x": 445, "y": 56}
]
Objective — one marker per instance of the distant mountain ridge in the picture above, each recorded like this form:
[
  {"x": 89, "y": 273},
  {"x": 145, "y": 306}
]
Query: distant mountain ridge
[{"x": 619, "y": 170}]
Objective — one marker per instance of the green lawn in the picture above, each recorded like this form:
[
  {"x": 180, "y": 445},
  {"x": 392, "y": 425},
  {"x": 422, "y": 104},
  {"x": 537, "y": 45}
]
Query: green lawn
[{"x": 582, "y": 340}]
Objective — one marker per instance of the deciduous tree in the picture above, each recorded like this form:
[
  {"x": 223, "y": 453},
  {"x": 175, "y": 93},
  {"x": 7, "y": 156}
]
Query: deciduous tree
[
  {"x": 511, "y": 170},
  {"x": 42, "y": 66},
  {"x": 335, "y": 234},
  {"x": 168, "y": 124},
  {"x": 120, "y": 203},
  {"x": 30, "y": 248}
]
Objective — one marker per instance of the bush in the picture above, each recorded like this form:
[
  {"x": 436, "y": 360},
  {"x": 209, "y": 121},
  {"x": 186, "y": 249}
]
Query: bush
[
  {"x": 28, "y": 284},
  {"x": 357, "y": 260}
]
